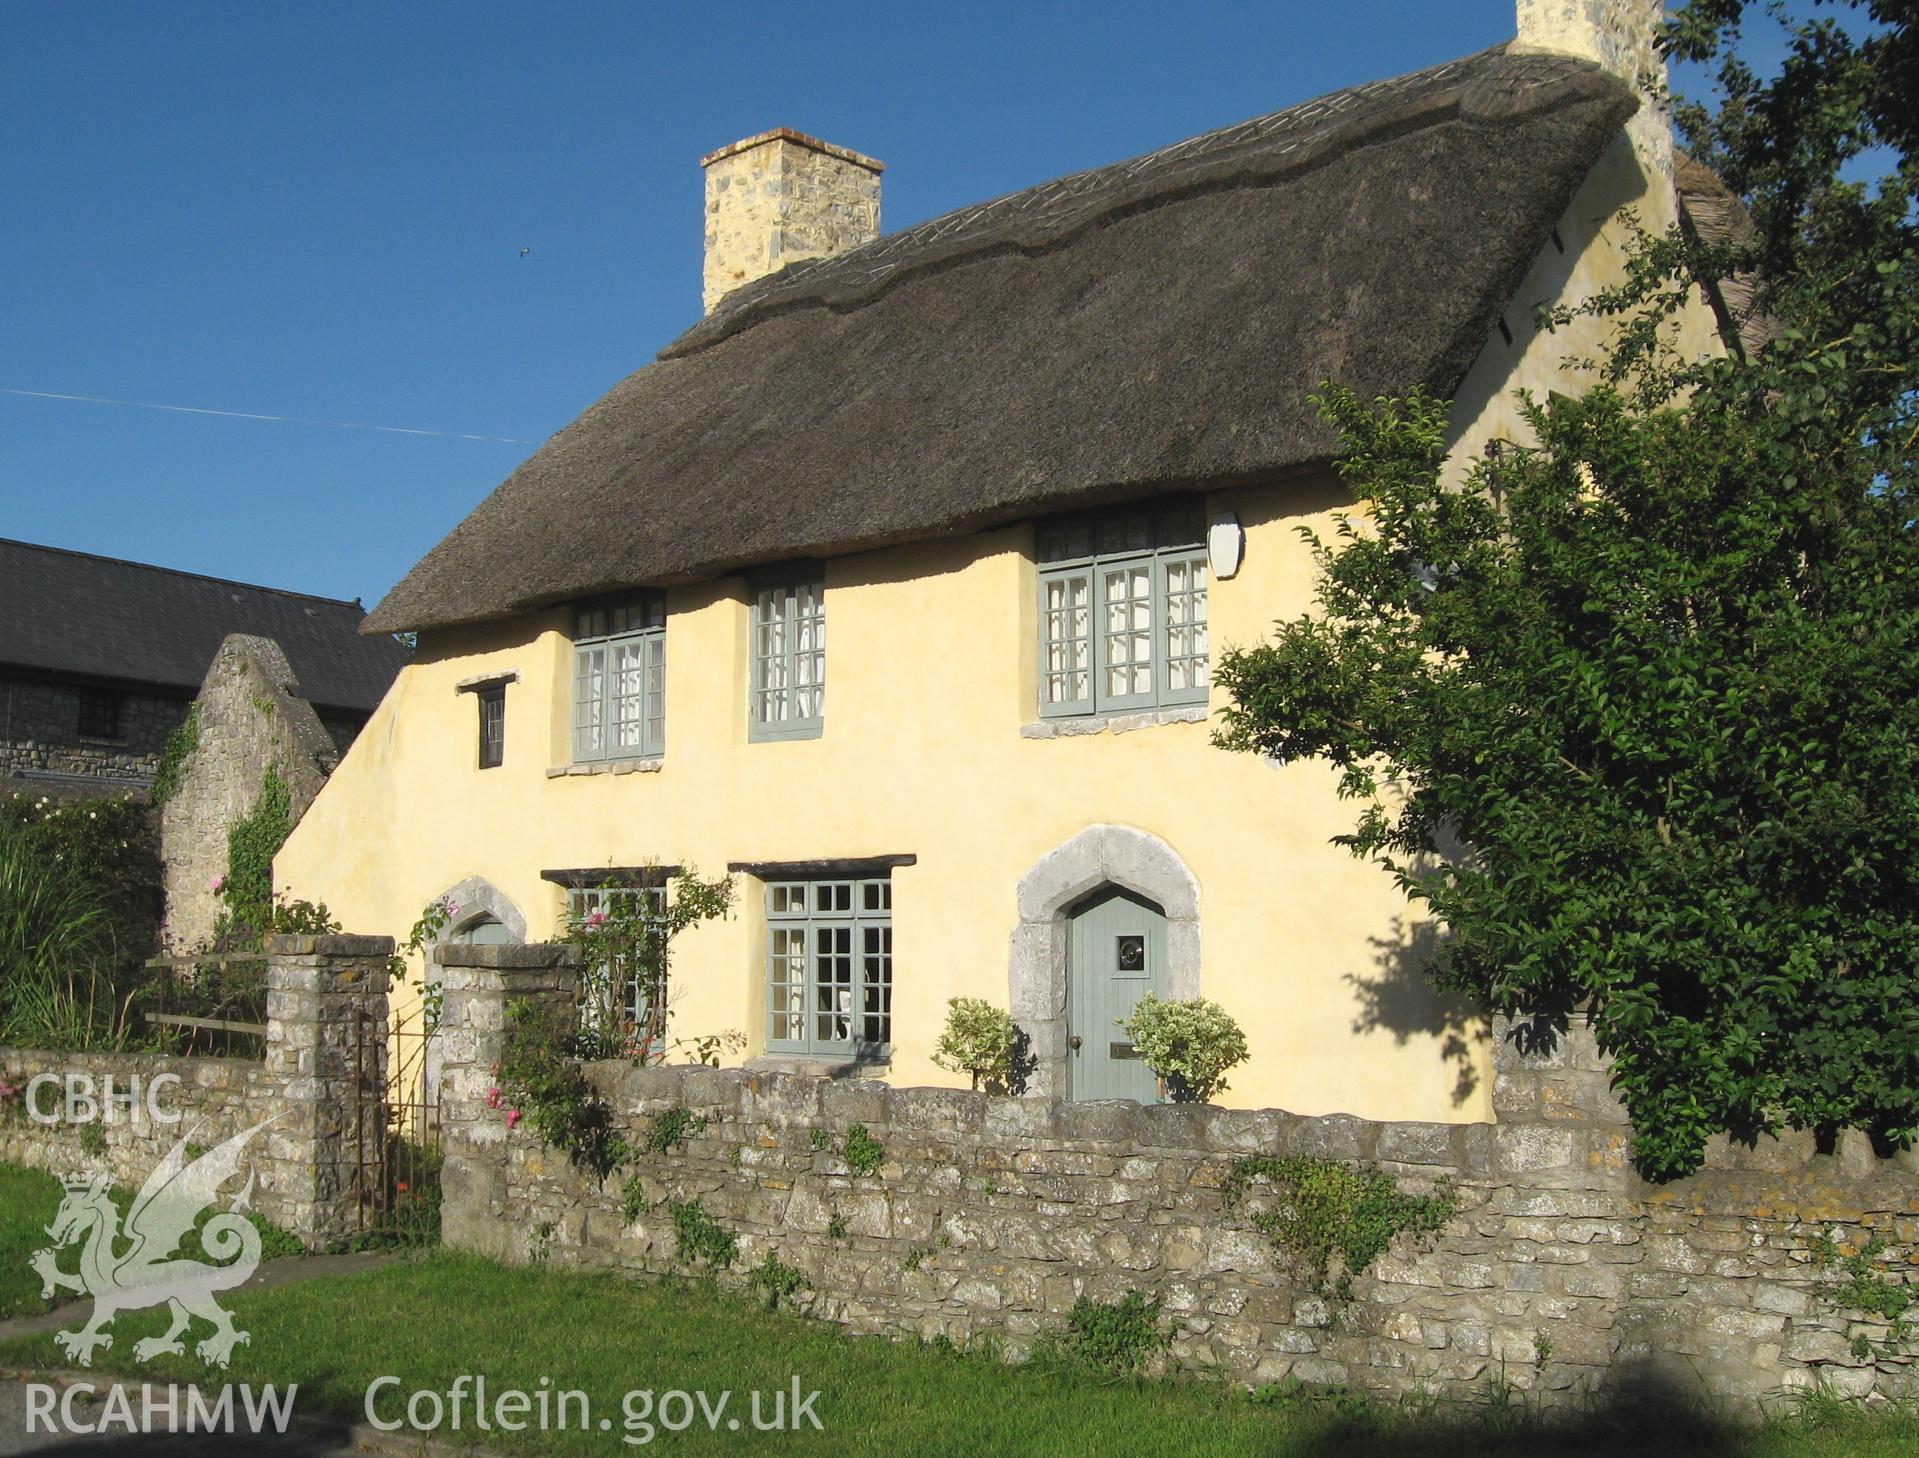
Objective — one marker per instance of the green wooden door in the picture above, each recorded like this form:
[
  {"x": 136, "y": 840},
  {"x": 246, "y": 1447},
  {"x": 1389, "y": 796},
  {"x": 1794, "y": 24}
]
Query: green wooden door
[
  {"x": 486, "y": 932},
  {"x": 1116, "y": 954}
]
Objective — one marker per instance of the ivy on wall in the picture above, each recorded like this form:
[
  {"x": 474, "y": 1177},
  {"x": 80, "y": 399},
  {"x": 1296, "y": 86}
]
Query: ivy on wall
[
  {"x": 180, "y": 745},
  {"x": 253, "y": 842}
]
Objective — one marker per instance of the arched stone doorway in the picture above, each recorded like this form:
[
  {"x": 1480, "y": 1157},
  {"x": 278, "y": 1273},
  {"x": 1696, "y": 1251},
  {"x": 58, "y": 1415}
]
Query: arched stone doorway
[
  {"x": 482, "y": 905},
  {"x": 1101, "y": 857}
]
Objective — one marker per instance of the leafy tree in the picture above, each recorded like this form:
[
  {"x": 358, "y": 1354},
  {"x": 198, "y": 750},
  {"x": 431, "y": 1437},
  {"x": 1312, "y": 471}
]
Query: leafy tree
[{"x": 1634, "y": 711}]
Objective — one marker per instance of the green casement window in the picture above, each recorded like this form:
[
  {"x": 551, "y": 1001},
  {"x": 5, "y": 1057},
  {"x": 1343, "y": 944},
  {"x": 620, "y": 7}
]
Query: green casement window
[
  {"x": 788, "y": 692},
  {"x": 829, "y": 967},
  {"x": 1122, "y": 610},
  {"x": 628, "y": 990},
  {"x": 619, "y": 680}
]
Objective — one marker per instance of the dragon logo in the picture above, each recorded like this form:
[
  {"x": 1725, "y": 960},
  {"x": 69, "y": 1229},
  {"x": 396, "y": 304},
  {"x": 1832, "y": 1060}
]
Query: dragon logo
[{"x": 135, "y": 1267}]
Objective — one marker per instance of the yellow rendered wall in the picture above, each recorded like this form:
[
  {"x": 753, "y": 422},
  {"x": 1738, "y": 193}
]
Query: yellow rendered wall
[
  {"x": 1595, "y": 236},
  {"x": 929, "y": 680},
  {"x": 930, "y": 676}
]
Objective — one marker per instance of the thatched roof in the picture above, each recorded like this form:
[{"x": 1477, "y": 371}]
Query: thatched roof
[
  {"x": 1148, "y": 326},
  {"x": 1715, "y": 213}
]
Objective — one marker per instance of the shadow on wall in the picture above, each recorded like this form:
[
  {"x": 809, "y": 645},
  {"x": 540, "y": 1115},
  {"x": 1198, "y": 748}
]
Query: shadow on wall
[
  {"x": 1400, "y": 1000},
  {"x": 1651, "y": 1407}
]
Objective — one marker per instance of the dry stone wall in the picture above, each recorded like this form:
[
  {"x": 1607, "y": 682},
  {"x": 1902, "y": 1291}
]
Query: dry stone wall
[
  {"x": 316, "y": 1090},
  {"x": 1561, "y": 1271}
]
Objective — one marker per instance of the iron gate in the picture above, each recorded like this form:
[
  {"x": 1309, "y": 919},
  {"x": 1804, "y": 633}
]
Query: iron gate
[{"x": 396, "y": 1134}]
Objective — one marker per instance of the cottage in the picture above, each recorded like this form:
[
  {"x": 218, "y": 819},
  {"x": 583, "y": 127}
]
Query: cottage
[{"x": 894, "y": 585}]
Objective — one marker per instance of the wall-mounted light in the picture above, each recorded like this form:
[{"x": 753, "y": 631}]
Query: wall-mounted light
[{"x": 1225, "y": 544}]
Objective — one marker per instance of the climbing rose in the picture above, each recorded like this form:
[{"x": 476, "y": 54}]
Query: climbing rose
[
  {"x": 512, "y": 1117},
  {"x": 596, "y": 920},
  {"x": 493, "y": 1098}
]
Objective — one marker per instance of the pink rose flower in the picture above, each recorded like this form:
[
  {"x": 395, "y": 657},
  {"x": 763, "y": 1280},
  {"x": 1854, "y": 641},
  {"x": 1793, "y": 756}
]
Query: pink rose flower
[
  {"x": 493, "y": 1098},
  {"x": 596, "y": 920},
  {"x": 512, "y": 1117}
]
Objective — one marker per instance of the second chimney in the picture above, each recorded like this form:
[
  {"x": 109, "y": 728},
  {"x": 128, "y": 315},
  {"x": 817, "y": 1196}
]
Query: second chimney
[{"x": 779, "y": 198}]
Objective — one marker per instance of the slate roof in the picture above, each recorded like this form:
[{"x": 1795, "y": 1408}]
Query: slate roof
[
  {"x": 1153, "y": 325},
  {"x": 98, "y": 617}
]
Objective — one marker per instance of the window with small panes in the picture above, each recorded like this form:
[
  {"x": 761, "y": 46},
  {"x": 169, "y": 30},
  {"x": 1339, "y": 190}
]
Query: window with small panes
[{"x": 829, "y": 967}]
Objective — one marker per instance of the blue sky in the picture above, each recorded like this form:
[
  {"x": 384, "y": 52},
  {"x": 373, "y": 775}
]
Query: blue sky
[{"x": 317, "y": 211}]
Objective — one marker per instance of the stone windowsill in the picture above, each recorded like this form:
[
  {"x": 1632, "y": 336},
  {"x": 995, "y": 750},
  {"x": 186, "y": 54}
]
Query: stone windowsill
[
  {"x": 819, "y": 1066},
  {"x": 607, "y": 767},
  {"x": 1112, "y": 723}
]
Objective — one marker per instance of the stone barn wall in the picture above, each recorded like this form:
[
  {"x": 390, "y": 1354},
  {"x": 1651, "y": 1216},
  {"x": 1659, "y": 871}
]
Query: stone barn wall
[
  {"x": 251, "y": 717},
  {"x": 41, "y": 747},
  {"x": 1561, "y": 1271}
]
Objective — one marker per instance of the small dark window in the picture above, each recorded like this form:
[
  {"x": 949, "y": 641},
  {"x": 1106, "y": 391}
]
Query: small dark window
[
  {"x": 492, "y": 725},
  {"x": 99, "y": 714}
]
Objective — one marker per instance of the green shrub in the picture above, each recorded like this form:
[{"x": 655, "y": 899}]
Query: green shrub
[
  {"x": 1189, "y": 1044},
  {"x": 1869, "y": 1285},
  {"x": 110, "y": 845},
  {"x": 1336, "y": 1219},
  {"x": 1116, "y": 1336},
  {"x": 633, "y": 1201},
  {"x": 672, "y": 1126},
  {"x": 980, "y": 1041},
  {"x": 774, "y": 1279},
  {"x": 542, "y": 1080},
  {"x": 107, "y": 853},
  {"x": 861, "y": 1151},
  {"x": 62, "y": 980},
  {"x": 702, "y": 1236}
]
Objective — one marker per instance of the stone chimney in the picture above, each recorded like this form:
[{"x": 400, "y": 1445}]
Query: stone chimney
[
  {"x": 1618, "y": 35},
  {"x": 782, "y": 197}
]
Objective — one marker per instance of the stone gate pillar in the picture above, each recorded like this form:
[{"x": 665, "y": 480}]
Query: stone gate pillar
[
  {"x": 1548, "y": 1068},
  {"x": 478, "y": 983},
  {"x": 326, "y": 1052}
]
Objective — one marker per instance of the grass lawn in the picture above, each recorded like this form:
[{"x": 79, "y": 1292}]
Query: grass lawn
[
  {"x": 439, "y": 1316},
  {"x": 28, "y": 1198}
]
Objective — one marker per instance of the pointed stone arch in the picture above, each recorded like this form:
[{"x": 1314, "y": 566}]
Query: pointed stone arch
[
  {"x": 478, "y": 897},
  {"x": 1099, "y": 856}
]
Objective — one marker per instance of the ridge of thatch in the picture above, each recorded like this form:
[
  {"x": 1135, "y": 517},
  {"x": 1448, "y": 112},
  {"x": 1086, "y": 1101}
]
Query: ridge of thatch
[
  {"x": 1153, "y": 325},
  {"x": 1714, "y": 212}
]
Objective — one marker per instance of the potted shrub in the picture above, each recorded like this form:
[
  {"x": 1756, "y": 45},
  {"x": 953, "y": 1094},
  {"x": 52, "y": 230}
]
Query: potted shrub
[
  {"x": 981, "y": 1041},
  {"x": 1190, "y": 1045}
]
